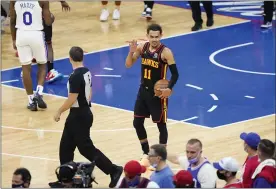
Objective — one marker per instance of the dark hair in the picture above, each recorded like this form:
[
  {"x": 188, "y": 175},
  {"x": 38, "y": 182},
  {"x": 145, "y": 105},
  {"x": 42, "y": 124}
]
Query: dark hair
[
  {"x": 154, "y": 27},
  {"x": 194, "y": 140},
  {"x": 160, "y": 150},
  {"x": 76, "y": 53},
  {"x": 25, "y": 173},
  {"x": 234, "y": 173},
  {"x": 267, "y": 148}
]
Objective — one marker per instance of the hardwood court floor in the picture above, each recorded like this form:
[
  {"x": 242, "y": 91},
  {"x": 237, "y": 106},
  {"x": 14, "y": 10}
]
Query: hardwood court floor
[{"x": 31, "y": 139}]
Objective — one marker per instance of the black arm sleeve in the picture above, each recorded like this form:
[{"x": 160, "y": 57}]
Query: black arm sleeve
[
  {"x": 174, "y": 76},
  {"x": 75, "y": 83}
]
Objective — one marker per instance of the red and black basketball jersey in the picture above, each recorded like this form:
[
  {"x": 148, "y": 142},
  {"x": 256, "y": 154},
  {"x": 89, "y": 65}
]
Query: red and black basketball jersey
[{"x": 153, "y": 68}]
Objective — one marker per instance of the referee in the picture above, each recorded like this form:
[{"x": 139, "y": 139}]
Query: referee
[
  {"x": 196, "y": 13},
  {"x": 76, "y": 132}
]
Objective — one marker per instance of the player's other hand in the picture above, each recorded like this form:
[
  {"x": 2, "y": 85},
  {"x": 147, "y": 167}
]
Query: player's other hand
[
  {"x": 165, "y": 93},
  {"x": 133, "y": 46},
  {"x": 57, "y": 117},
  {"x": 65, "y": 6}
]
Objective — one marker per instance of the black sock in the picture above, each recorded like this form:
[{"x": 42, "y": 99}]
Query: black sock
[
  {"x": 50, "y": 66},
  {"x": 145, "y": 147}
]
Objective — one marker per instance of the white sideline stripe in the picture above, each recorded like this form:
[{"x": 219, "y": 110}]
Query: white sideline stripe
[{"x": 9, "y": 81}]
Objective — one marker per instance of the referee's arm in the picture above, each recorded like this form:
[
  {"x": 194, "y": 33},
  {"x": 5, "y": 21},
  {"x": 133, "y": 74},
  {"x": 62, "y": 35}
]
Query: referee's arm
[{"x": 74, "y": 90}]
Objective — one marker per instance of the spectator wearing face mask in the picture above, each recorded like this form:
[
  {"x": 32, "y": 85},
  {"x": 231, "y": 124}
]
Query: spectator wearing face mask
[
  {"x": 251, "y": 141},
  {"x": 265, "y": 174},
  {"x": 163, "y": 174},
  {"x": 21, "y": 178},
  {"x": 183, "y": 179},
  {"x": 132, "y": 179},
  {"x": 202, "y": 170},
  {"x": 227, "y": 169}
]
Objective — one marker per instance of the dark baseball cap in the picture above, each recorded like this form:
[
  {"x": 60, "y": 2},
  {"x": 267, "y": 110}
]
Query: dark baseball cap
[
  {"x": 134, "y": 168},
  {"x": 251, "y": 139}
]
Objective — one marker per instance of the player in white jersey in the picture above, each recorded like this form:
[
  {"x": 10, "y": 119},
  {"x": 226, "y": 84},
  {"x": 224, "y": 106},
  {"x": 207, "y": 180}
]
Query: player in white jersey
[{"x": 28, "y": 38}]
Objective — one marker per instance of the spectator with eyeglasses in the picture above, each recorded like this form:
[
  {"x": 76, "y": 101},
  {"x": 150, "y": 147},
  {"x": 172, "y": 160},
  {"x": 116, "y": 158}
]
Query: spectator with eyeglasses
[{"x": 163, "y": 174}]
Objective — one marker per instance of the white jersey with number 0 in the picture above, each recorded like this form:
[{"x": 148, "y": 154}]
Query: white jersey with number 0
[{"x": 28, "y": 15}]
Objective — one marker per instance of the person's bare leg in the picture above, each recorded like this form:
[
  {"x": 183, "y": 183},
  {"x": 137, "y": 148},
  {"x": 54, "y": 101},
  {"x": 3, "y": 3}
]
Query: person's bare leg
[
  {"x": 41, "y": 74},
  {"x": 28, "y": 85}
]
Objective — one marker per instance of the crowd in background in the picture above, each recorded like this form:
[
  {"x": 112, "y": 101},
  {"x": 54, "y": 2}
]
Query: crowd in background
[{"x": 196, "y": 171}]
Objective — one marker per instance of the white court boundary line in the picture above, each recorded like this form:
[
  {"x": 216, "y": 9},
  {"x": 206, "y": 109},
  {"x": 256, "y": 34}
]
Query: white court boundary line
[
  {"x": 173, "y": 36},
  {"x": 43, "y": 158},
  {"x": 238, "y": 122},
  {"x": 111, "y": 107},
  {"x": 213, "y": 61},
  {"x": 100, "y": 130}
]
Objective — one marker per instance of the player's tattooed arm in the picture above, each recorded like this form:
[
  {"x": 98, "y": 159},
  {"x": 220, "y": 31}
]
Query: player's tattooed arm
[
  {"x": 46, "y": 13},
  {"x": 134, "y": 53},
  {"x": 13, "y": 22}
]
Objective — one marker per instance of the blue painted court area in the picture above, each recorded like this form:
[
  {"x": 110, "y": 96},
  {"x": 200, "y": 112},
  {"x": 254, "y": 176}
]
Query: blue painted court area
[{"x": 210, "y": 94}]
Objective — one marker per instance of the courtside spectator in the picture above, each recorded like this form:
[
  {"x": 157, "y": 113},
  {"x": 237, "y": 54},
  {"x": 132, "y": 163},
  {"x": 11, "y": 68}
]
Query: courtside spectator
[
  {"x": 163, "y": 174},
  {"x": 183, "y": 179},
  {"x": 265, "y": 174},
  {"x": 202, "y": 170},
  {"x": 251, "y": 141},
  {"x": 227, "y": 169},
  {"x": 132, "y": 179},
  {"x": 21, "y": 178}
]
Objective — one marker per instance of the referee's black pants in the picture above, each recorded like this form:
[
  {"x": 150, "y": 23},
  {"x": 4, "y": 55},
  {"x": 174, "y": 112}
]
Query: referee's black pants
[
  {"x": 196, "y": 10},
  {"x": 268, "y": 11},
  {"x": 3, "y": 12},
  {"x": 76, "y": 133}
]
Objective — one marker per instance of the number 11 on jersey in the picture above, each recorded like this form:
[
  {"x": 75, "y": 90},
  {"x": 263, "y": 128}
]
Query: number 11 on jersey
[{"x": 147, "y": 73}]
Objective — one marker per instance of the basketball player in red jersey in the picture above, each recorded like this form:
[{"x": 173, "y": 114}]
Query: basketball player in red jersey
[{"x": 156, "y": 58}]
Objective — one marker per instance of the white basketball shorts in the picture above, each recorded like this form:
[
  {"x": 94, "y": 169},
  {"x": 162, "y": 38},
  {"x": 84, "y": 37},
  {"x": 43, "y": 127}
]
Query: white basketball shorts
[{"x": 31, "y": 44}]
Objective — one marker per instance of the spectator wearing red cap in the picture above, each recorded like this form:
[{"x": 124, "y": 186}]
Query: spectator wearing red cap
[
  {"x": 265, "y": 174},
  {"x": 251, "y": 141},
  {"x": 133, "y": 170},
  {"x": 183, "y": 179},
  {"x": 227, "y": 169}
]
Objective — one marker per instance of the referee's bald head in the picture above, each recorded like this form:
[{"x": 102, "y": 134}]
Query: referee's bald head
[{"x": 76, "y": 54}]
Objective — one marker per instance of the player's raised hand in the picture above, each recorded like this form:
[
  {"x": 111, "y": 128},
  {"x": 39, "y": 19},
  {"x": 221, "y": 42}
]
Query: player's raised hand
[
  {"x": 133, "y": 46},
  {"x": 65, "y": 6}
]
